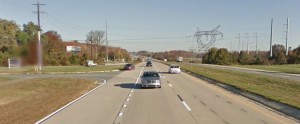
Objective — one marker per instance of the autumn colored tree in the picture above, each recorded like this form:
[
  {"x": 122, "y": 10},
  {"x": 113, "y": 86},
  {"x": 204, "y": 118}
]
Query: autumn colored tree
[{"x": 54, "y": 49}]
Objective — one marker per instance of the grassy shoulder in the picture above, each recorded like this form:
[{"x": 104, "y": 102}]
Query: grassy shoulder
[
  {"x": 47, "y": 69},
  {"x": 43, "y": 95},
  {"x": 289, "y": 68},
  {"x": 278, "y": 89},
  {"x": 5, "y": 78}
]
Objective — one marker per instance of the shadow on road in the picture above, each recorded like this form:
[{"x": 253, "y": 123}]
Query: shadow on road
[
  {"x": 128, "y": 85},
  {"x": 164, "y": 72}
]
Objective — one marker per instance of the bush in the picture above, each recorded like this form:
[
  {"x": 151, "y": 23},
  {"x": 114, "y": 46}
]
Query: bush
[
  {"x": 243, "y": 58},
  {"x": 222, "y": 57}
]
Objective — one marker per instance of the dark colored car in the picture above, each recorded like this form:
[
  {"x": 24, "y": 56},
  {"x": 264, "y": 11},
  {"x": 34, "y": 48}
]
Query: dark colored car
[
  {"x": 129, "y": 67},
  {"x": 149, "y": 63}
]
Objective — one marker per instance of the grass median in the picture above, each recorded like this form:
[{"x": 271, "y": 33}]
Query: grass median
[
  {"x": 5, "y": 78},
  {"x": 289, "y": 68},
  {"x": 67, "y": 69},
  {"x": 278, "y": 89},
  {"x": 30, "y": 100}
]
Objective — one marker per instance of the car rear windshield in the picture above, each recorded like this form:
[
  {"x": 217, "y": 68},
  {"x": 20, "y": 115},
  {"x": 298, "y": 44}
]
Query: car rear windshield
[
  {"x": 174, "y": 66},
  {"x": 150, "y": 74}
]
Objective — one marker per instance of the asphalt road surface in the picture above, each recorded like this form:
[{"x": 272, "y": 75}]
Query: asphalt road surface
[{"x": 183, "y": 99}]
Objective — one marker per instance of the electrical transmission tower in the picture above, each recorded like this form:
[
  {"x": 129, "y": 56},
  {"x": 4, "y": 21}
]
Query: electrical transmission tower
[{"x": 205, "y": 39}]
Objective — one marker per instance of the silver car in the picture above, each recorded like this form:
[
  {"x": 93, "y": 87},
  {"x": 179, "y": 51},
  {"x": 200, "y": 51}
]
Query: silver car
[{"x": 150, "y": 79}]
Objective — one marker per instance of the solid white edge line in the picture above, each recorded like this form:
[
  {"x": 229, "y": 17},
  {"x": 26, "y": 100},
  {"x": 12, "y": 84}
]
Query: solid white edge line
[
  {"x": 70, "y": 103},
  {"x": 186, "y": 106}
]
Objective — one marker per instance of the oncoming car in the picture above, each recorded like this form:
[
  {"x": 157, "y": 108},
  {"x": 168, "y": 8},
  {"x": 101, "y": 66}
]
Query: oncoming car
[
  {"x": 174, "y": 69},
  {"x": 150, "y": 79}
]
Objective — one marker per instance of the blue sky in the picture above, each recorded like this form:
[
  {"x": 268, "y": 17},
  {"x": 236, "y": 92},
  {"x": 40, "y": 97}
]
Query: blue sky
[{"x": 160, "y": 25}]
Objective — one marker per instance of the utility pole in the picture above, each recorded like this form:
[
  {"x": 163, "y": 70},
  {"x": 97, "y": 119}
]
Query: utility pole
[
  {"x": 39, "y": 45},
  {"x": 239, "y": 37},
  {"x": 106, "y": 41},
  {"x": 91, "y": 50},
  {"x": 256, "y": 51},
  {"x": 286, "y": 37},
  {"x": 271, "y": 38},
  {"x": 247, "y": 38}
]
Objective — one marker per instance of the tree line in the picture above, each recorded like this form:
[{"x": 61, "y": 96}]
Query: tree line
[
  {"x": 21, "y": 41},
  {"x": 223, "y": 57}
]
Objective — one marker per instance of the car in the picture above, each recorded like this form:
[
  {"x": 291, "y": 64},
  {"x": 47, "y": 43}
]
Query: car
[
  {"x": 129, "y": 67},
  {"x": 150, "y": 79},
  {"x": 149, "y": 63},
  {"x": 90, "y": 63},
  {"x": 174, "y": 69}
]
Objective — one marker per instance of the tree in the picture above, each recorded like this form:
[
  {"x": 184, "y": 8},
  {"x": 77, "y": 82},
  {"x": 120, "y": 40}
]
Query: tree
[
  {"x": 294, "y": 56},
  {"x": 55, "y": 49},
  {"x": 222, "y": 57},
  {"x": 30, "y": 29},
  {"x": 73, "y": 59},
  {"x": 243, "y": 58},
  {"x": 278, "y": 54},
  {"x": 8, "y": 31},
  {"x": 95, "y": 38},
  {"x": 211, "y": 55}
]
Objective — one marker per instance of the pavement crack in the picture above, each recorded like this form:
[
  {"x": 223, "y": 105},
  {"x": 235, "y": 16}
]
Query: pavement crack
[
  {"x": 226, "y": 122},
  {"x": 203, "y": 103},
  {"x": 213, "y": 111},
  {"x": 244, "y": 110},
  {"x": 229, "y": 102},
  {"x": 264, "y": 122}
]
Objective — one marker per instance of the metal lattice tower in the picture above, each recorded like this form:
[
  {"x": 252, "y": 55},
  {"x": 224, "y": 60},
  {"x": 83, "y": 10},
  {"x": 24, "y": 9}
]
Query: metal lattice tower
[{"x": 205, "y": 39}]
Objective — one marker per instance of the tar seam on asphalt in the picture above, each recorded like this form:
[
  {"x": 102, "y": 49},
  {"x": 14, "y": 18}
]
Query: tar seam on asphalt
[
  {"x": 212, "y": 111},
  {"x": 180, "y": 97},
  {"x": 263, "y": 121},
  {"x": 203, "y": 103},
  {"x": 228, "y": 102},
  {"x": 244, "y": 110}
]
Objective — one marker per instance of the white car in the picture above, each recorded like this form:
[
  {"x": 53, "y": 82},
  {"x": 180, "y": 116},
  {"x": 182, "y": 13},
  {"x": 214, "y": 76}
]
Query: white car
[
  {"x": 90, "y": 63},
  {"x": 174, "y": 69}
]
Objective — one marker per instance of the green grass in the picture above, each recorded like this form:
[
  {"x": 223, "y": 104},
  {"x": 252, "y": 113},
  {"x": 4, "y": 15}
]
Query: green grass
[
  {"x": 278, "y": 89},
  {"x": 5, "y": 78},
  {"x": 30, "y": 100},
  {"x": 47, "y": 69},
  {"x": 290, "y": 68}
]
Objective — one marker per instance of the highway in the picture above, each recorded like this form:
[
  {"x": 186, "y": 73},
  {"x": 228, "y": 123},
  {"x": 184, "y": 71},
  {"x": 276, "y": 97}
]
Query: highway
[{"x": 183, "y": 99}]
